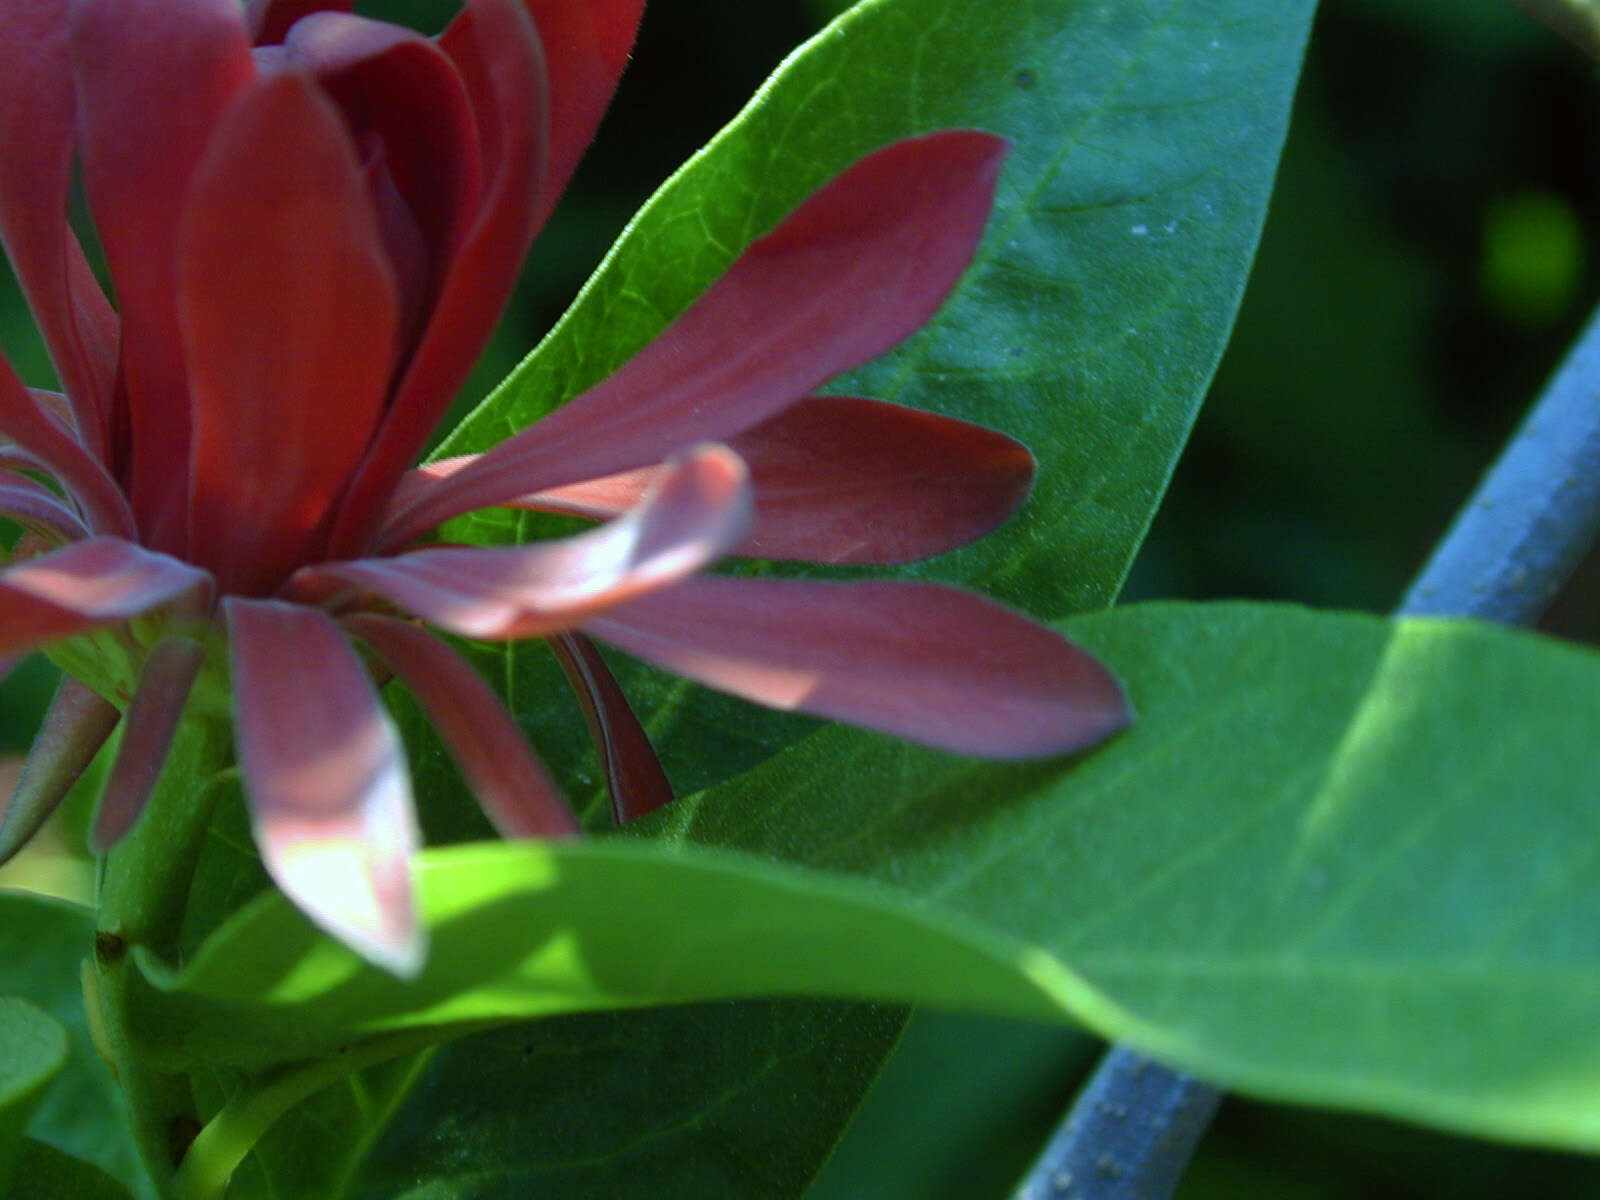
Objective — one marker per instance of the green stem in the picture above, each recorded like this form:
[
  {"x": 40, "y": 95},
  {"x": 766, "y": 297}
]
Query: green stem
[
  {"x": 144, "y": 889},
  {"x": 222, "y": 1145}
]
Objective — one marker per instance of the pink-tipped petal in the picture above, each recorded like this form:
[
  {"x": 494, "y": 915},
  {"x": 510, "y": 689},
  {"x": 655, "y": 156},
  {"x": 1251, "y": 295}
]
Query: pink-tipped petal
[
  {"x": 47, "y": 444},
  {"x": 589, "y": 46},
  {"x": 326, "y": 779},
  {"x": 77, "y": 725},
  {"x": 37, "y": 508},
  {"x": 102, "y": 581},
  {"x": 635, "y": 782},
  {"x": 698, "y": 508},
  {"x": 152, "y": 78},
  {"x": 269, "y": 21},
  {"x": 516, "y": 792},
  {"x": 290, "y": 332},
  {"x": 841, "y": 479},
  {"x": 153, "y": 715},
  {"x": 36, "y": 146},
  {"x": 496, "y": 49},
  {"x": 848, "y": 275},
  {"x": 931, "y": 664}
]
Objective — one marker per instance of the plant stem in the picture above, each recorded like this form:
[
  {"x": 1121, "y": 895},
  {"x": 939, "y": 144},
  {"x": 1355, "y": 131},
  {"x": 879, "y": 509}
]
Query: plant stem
[
  {"x": 144, "y": 886},
  {"x": 1514, "y": 542},
  {"x": 222, "y": 1145}
]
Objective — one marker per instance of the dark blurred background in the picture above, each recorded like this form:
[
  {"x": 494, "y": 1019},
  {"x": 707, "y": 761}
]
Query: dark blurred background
[{"x": 1430, "y": 254}]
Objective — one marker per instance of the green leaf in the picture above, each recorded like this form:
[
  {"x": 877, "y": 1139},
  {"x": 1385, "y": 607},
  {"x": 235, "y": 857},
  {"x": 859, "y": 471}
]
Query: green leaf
[
  {"x": 1341, "y": 860},
  {"x": 42, "y": 943},
  {"x": 714, "y": 1102},
  {"x": 1145, "y": 138},
  {"x": 45, "y": 1173},
  {"x": 314, "y": 1151},
  {"x": 33, "y": 1049}
]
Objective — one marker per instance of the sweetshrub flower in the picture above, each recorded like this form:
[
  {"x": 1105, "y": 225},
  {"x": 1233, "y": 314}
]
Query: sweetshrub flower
[{"x": 311, "y": 221}]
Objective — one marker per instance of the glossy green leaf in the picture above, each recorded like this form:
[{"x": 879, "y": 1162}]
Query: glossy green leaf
[
  {"x": 315, "y": 1149},
  {"x": 42, "y": 943},
  {"x": 45, "y": 1173},
  {"x": 1145, "y": 136},
  {"x": 33, "y": 1049},
  {"x": 708, "y": 1102},
  {"x": 1340, "y": 860}
]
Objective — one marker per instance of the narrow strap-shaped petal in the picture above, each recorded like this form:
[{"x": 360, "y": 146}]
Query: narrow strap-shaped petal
[
  {"x": 77, "y": 725},
  {"x": 290, "y": 331},
  {"x": 48, "y": 445},
  {"x": 102, "y": 581},
  {"x": 635, "y": 782},
  {"x": 152, "y": 77},
  {"x": 36, "y": 146},
  {"x": 153, "y": 716},
  {"x": 698, "y": 508},
  {"x": 497, "y": 51},
  {"x": 516, "y": 792},
  {"x": 589, "y": 46},
  {"x": 927, "y": 663},
  {"x": 847, "y": 276},
  {"x": 269, "y": 21},
  {"x": 326, "y": 779},
  {"x": 38, "y": 509},
  {"x": 842, "y": 479}
]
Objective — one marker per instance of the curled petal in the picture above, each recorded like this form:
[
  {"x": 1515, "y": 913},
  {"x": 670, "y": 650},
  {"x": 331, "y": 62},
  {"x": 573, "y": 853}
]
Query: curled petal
[
  {"x": 74, "y": 316},
  {"x": 516, "y": 792},
  {"x": 399, "y": 87},
  {"x": 153, "y": 717},
  {"x": 102, "y": 581},
  {"x": 698, "y": 508},
  {"x": 152, "y": 78},
  {"x": 848, "y": 275},
  {"x": 38, "y": 509},
  {"x": 635, "y": 782},
  {"x": 269, "y": 21},
  {"x": 496, "y": 49},
  {"x": 77, "y": 725},
  {"x": 290, "y": 332},
  {"x": 326, "y": 779},
  {"x": 44, "y": 440},
  {"x": 841, "y": 479},
  {"x": 927, "y": 663}
]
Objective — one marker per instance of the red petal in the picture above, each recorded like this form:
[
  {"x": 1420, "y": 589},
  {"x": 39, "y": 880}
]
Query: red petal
[
  {"x": 152, "y": 78},
  {"x": 153, "y": 717},
  {"x": 635, "y": 781},
  {"x": 587, "y": 48},
  {"x": 699, "y": 508},
  {"x": 48, "y": 445},
  {"x": 103, "y": 581},
  {"x": 516, "y": 792},
  {"x": 847, "y": 276},
  {"x": 269, "y": 20},
  {"x": 397, "y": 85},
  {"x": 77, "y": 725},
  {"x": 290, "y": 330},
  {"x": 841, "y": 479},
  {"x": 497, "y": 51},
  {"x": 326, "y": 779},
  {"x": 36, "y": 508},
  {"x": 73, "y": 314},
  {"x": 930, "y": 664}
]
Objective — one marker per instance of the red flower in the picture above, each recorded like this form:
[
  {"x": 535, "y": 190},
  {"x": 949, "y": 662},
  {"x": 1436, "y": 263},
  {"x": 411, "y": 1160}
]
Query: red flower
[{"x": 311, "y": 221}]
